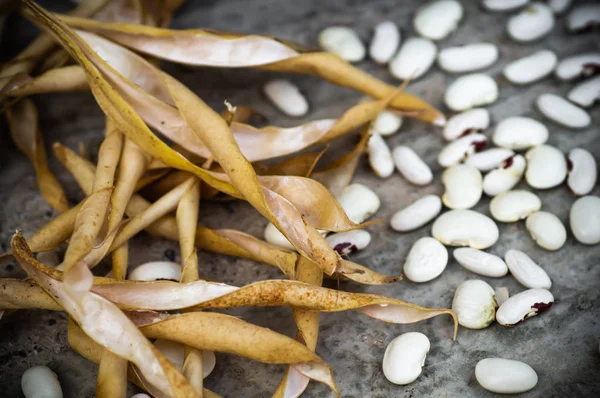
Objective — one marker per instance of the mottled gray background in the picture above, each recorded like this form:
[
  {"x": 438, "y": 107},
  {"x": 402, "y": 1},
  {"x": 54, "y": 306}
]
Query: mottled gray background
[{"x": 561, "y": 345}]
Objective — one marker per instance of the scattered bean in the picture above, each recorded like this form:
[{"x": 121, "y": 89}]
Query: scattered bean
[
  {"x": 586, "y": 93},
  {"x": 474, "y": 304},
  {"x": 348, "y": 242},
  {"x": 480, "y": 262},
  {"x": 463, "y": 186},
  {"x": 468, "y": 58},
  {"x": 414, "y": 58},
  {"x": 436, "y": 20},
  {"x": 578, "y": 65},
  {"x": 546, "y": 167},
  {"x": 584, "y": 17},
  {"x": 410, "y": 165},
  {"x": 504, "y": 177},
  {"x": 470, "y": 91},
  {"x": 343, "y": 42},
  {"x": 531, "y": 68},
  {"x": 524, "y": 305},
  {"x": 547, "y": 230},
  {"x": 584, "y": 219},
  {"x": 505, "y": 376},
  {"x": 417, "y": 214},
  {"x": 380, "y": 156},
  {"x": 286, "y": 97},
  {"x": 518, "y": 133},
  {"x": 582, "y": 171},
  {"x": 404, "y": 357},
  {"x": 561, "y": 111},
  {"x": 526, "y": 271},
  {"x": 532, "y": 23},
  {"x": 359, "y": 202},
  {"x": 490, "y": 159},
  {"x": 386, "y": 39},
  {"x": 511, "y": 206},
  {"x": 465, "y": 228},
  {"x": 40, "y": 382},
  {"x": 426, "y": 260},
  {"x": 473, "y": 120},
  {"x": 457, "y": 150}
]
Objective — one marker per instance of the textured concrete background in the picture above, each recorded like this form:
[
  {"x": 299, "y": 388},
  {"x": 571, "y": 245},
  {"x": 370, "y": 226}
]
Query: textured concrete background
[{"x": 561, "y": 345}]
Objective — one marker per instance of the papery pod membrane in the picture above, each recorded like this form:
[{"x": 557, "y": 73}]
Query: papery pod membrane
[
  {"x": 23, "y": 124},
  {"x": 92, "y": 351},
  {"x": 307, "y": 239},
  {"x": 104, "y": 322},
  {"x": 204, "y": 48}
]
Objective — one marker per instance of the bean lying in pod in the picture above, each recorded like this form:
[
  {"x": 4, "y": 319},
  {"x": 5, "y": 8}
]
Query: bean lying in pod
[
  {"x": 349, "y": 242},
  {"x": 343, "y": 42},
  {"x": 386, "y": 123},
  {"x": 526, "y": 271},
  {"x": 523, "y": 306},
  {"x": 584, "y": 219},
  {"x": 156, "y": 270},
  {"x": 533, "y": 23},
  {"x": 504, "y": 177},
  {"x": 49, "y": 258},
  {"x": 531, "y": 68},
  {"x": 275, "y": 237},
  {"x": 417, "y": 214},
  {"x": 175, "y": 353},
  {"x": 437, "y": 19},
  {"x": 404, "y": 357},
  {"x": 359, "y": 202},
  {"x": 465, "y": 228},
  {"x": 467, "y": 122},
  {"x": 480, "y": 262}
]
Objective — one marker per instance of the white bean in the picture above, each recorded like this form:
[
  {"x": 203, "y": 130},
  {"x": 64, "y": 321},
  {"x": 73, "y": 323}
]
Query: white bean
[
  {"x": 344, "y": 42},
  {"x": 140, "y": 395},
  {"x": 386, "y": 123},
  {"x": 503, "y": 5},
  {"x": 474, "y": 304},
  {"x": 559, "y": 6},
  {"x": 505, "y": 376},
  {"x": 561, "y": 111},
  {"x": 411, "y": 166},
  {"x": 437, "y": 19},
  {"x": 156, "y": 270},
  {"x": 40, "y": 382},
  {"x": 504, "y": 177},
  {"x": 386, "y": 39},
  {"x": 524, "y": 305},
  {"x": 426, "y": 260},
  {"x": 359, "y": 202},
  {"x": 463, "y": 186},
  {"x": 526, "y": 271},
  {"x": 546, "y": 167},
  {"x": 586, "y": 93},
  {"x": 349, "y": 242},
  {"x": 172, "y": 350},
  {"x": 465, "y": 228},
  {"x": 489, "y": 159},
  {"x": 501, "y": 295},
  {"x": 584, "y": 219},
  {"x": 414, "y": 59},
  {"x": 583, "y": 17},
  {"x": 480, "y": 262},
  {"x": 511, "y": 206},
  {"x": 547, "y": 230},
  {"x": 274, "y": 237},
  {"x": 531, "y": 68},
  {"x": 287, "y": 97},
  {"x": 417, "y": 214},
  {"x": 471, "y": 90},
  {"x": 473, "y": 120},
  {"x": 532, "y": 23},
  {"x": 518, "y": 133},
  {"x": 404, "y": 357},
  {"x": 468, "y": 58},
  {"x": 380, "y": 156},
  {"x": 582, "y": 171},
  {"x": 456, "y": 151},
  {"x": 578, "y": 65}
]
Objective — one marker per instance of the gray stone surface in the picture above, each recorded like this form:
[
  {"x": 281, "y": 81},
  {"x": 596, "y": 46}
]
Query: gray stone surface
[{"x": 561, "y": 345}]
